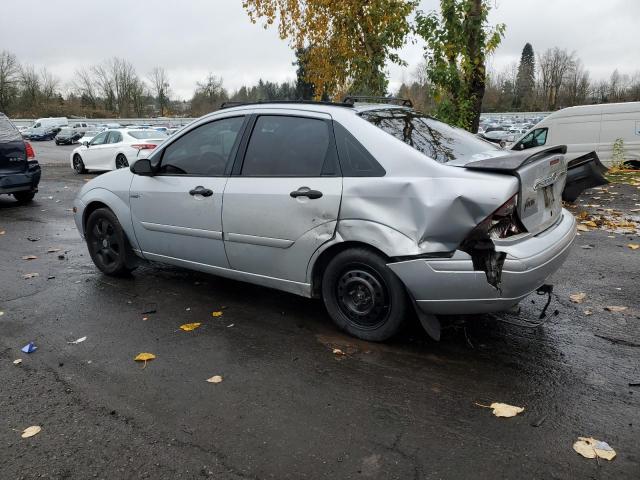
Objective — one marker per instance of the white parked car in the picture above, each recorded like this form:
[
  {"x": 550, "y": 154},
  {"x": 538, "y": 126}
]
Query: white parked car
[{"x": 114, "y": 149}]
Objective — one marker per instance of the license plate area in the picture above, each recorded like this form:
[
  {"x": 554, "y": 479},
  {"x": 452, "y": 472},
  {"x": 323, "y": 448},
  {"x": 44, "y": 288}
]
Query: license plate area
[{"x": 549, "y": 197}]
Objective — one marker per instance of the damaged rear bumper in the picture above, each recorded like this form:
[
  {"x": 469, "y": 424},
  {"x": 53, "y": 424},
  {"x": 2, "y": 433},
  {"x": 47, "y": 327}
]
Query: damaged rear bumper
[{"x": 451, "y": 286}]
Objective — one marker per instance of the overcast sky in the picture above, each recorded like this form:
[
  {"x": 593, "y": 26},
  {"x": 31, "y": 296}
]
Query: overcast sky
[{"x": 191, "y": 38}]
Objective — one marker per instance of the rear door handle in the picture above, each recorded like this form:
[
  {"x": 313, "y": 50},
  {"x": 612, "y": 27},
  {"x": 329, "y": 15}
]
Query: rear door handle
[
  {"x": 306, "y": 192},
  {"x": 200, "y": 190}
]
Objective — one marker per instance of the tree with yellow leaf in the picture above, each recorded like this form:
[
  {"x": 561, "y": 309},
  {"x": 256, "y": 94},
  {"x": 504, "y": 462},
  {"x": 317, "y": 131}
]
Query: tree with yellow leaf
[{"x": 351, "y": 40}]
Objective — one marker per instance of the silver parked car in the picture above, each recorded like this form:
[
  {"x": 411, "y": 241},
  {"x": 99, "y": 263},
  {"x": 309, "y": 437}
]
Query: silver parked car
[{"x": 375, "y": 208}]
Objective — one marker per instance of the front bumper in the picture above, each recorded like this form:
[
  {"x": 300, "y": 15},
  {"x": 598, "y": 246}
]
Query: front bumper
[
  {"x": 451, "y": 286},
  {"x": 21, "y": 182}
]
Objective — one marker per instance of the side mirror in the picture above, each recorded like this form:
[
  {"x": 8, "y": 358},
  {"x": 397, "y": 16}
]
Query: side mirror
[
  {"x": 142, "y": 167},
  {"x": 86, "y": 144}
]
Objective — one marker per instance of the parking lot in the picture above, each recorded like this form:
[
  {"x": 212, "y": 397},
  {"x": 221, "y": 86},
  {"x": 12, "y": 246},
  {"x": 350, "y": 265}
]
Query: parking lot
[{"x": 288, "y": 406}]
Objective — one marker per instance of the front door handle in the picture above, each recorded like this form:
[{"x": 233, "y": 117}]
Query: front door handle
[
  {"x": 306, "y": 192},
  {"x": 200, "y": 190}
]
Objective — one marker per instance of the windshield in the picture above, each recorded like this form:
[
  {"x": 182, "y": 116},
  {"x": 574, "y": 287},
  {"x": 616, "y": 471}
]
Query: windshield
[
  {"x": 435, "y": 139},
  {"x": 91, "y": 133},
  {"x": 66, "y": 131},
  {"x": 141, "y": 134}
]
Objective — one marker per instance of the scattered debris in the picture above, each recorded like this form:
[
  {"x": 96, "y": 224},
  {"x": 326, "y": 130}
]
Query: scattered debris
[
  {"x": 31, "y": 431},
  {"x": 636, "y": 384},
  {"x": 150, "y": 308},
  {"x": 27, "y": 276},
  {"x": 588, "y": 312},
  {"x": 145, "y": 357},
  {"x": 503, "y": 409},
  {"x": 633, "y": 246},
  {"x": 586, "y": 247},
  {"x": 1, "y": 314},
  {"x": 29, "y": 257},
  {"x": 216, "y": 314},
  {"x": 75, "y": 342},
  {"x": 591, "y": 448},
  {"x": 215, "y": 379},
  {"x": 29, "y": 348},
  {"x": 2, "y": 232},
  {"x": 338, "y": 352},
  {"x": 189, "y": 327},
  {"x": 577, "y": 297},
  {"x": 144, "y": 319},
  {"x": 614, "y": 308},
  {"x": 582, "y": 228},
  {"x": 230, "y": 325},
  {"x": 61, "y": 257},
  {"x": 539, "y": 421},
  {"x": 618, "y": 341},
  {"x": 17, "y": 361},
  {"x": 33, "y": 239},
  {"x": 53, "y": 250},
  {"x": 51, "y": 277}
]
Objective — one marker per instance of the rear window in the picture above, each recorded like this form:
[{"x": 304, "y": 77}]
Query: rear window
[
  {"x": 142, "y": 134},
  {"x": 435, "y": 139},
  {"x": 8, "y": 133}
]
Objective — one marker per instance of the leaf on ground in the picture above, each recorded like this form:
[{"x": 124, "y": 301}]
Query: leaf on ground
[
  {"x": 633, "y": 246},
  {"x": 29, "y": 257},
  {"x": 53, "y": 250},
  {"x": 590, "y": 223},
  {"x": 17, "y": 361},
  {"x": 614, "y": 308},
  {"x": 503, "y": 409},
  {"x": 216, "y": 314},
  {"x": 588, "y": 312},
  {"x": 582, "y": 228},
  {"x": 591, "y": 448},
  {"x": 31, "y": 431},
  {"x": 1, "y": 314},
  {"x": 578, "y": 297},
  {"x": 215, "y": 379},
  {"x": 145, "y": 357},
  {"x": 27, "y": 276},
  {"x": 75, "y": 342},
  {"x": 189, "y": 327},
  {"x": 337, "y": 351},
  {"x": 2, "y": 232}
]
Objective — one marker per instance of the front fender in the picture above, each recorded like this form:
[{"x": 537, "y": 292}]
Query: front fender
[{"x": 118, "y": 206}]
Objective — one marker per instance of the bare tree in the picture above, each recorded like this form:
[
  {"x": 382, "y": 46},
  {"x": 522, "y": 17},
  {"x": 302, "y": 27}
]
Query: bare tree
[
  {"x": 578, "y": 84},
  {"x": 30, "y": 86},
  {"x": 160, "y": 87},
  {"x": 9, "y": 75},
  {"x": 49, "y": 84},
  {"x": 85, "y": 86},
  {"x": 554, "y": 65}
]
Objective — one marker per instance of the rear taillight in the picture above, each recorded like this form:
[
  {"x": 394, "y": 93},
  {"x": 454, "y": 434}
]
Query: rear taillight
[
  {"x": 144, "y": 146},
  {"x": 30, "y": 153},
  {"x": 503, "y": 222}
]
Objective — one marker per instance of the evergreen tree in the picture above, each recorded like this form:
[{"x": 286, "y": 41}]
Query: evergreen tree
[
  {"x": 525, "y": 81},
  {"x": 305, "y": 90}
]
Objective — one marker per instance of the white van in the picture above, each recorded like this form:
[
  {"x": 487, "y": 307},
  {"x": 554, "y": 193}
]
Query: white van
[
  {"x": 589, "y": 128},
  {"x": 41, "y": 125}
]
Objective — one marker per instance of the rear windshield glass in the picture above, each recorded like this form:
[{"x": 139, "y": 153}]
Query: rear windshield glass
[
  {"x": 140, "y": 134},
  {"x": 435, "y": 139},
  {"x": 8, "y": 133}
]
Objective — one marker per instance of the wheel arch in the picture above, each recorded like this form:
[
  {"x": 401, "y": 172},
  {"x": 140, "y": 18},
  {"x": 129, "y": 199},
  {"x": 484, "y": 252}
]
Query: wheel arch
[{"x": 101, "y": 198}]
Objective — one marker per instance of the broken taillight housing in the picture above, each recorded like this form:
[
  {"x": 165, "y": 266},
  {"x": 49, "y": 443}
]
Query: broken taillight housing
[
  {"x": 29, "y": 149},
  {"x": 504, "y": 222}
]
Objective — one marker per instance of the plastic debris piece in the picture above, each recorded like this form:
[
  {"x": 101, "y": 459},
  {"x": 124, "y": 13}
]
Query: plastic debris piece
[
  {"x": 633, "y": 246},
  {"x": 216, "y": 314},
  {"x": 29, "y": 348},
  {"x": 1, "y": 314},
  {"x": 53, "y": 250},
  {"x": 230, "y": 325},
  {"x": 31, "y": 431},
  {"x": 588, "y": 312},
  {"x": 75, "y": 342},
  {"x": 2, "y": 232},
  {"x": 29, "y": 257},
  {"x": 145, "y": 357},
  {"x": 337, "y": 351},
  {"x": 577, "y": 297},
  {"x": 150, "y": 308},
  {"x": 503, "y": 409},
  {"x": 591, "y": 448},
  {"x": 189, "y": 327},
  {"x": 17, "y": 361},
  {"x": 215, "y": 379},
  {"x": 144, "y": 319},
  {"x": 33, "y": 239},
  {"x": 27, "y": 276},
  {"x": 614, "y": 308}
]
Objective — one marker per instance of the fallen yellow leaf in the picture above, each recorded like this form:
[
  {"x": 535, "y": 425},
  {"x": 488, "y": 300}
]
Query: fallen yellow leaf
[
  {"x": 582, "y": 228},
  {"x": 29, "y": 257},
  {"x": 145, "y": 357},
  {"x": 31, "y": 431},
  {"x": 613, "y": 308},
  {"x": 633, "y": 246},
  {"x": 590, "y": 223},
  {"x": 215, "y": 379},
  {"x": 503, "y": 409},
  {"x": 188, "y": 327},
  {"x": 27, "y": 276},
  {"x": 216, "y": 314},
  {"x": 591, "y": 448},
  {"x": 577, "y": 297}
]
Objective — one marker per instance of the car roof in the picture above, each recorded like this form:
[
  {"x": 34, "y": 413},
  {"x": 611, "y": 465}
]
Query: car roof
[{"x": 321, "y": 107}]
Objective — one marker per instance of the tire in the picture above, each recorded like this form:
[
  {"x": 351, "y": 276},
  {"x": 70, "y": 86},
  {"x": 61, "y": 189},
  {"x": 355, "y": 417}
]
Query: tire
[
  {"x": 57, "y": 143},
  {"x": 363, "y": 296},
  {"x": 24, "y": 197},
  {"x": 78, "y": 164},
  {"x": 121, "y": 161},
  {"x": 108, "y": 244}
]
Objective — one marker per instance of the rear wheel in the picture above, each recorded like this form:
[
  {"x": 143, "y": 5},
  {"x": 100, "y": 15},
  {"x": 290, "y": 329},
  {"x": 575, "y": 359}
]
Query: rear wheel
[
  {"x": 121, "y": 161},
  {"x": 363, "y": 296},
  {"x": 24, "y": 197},
  {"x": 78, "y": 164},
  {"x": 107, "y": 243}
]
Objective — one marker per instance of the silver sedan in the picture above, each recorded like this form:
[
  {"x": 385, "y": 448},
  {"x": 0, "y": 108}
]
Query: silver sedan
[{"x": 376, "y": 208}]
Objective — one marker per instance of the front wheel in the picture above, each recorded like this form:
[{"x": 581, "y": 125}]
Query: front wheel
[
  {"x": 363, "y": 296},
  {"x": 121, "y": 161},
  {"x": 107, "y": 243},
  {"x": 78, "y": 164}
]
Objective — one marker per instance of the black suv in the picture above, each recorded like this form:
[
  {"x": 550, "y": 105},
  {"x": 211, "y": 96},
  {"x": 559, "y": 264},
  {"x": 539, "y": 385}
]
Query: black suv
[{"x": 19, "y": 171}]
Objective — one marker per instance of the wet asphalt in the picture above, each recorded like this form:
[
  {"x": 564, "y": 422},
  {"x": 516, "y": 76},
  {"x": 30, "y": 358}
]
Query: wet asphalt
[{"x": 288, "y": 408}]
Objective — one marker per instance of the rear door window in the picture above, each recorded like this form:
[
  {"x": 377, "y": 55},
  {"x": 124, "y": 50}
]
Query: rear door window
[
  {"x": 288, "y": 146},
  {"x": 100, "y": 139},
  {"x": 435, "y": 139},
  {"x": 114, "y": 137},
  {"x": 8, "y": 133}
]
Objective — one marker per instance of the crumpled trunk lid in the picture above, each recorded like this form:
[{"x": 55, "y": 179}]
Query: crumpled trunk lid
[{"x": 542, "y": 174}]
